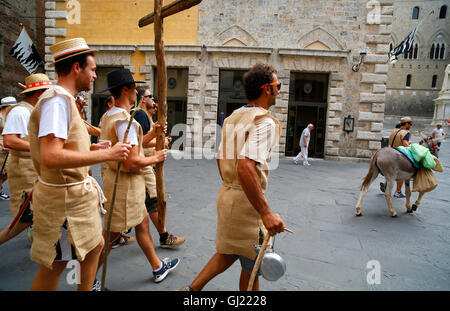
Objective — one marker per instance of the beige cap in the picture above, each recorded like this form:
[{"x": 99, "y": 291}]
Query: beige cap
[{"x": 406, "y": 120}]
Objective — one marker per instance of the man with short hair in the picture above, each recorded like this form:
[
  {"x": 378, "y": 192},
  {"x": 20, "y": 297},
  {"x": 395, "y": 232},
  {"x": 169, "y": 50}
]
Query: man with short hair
[
  {"x": 438, "y": 132},
  {"x": 129, "y": 207},
  {"x": 144, "y": 117},
  {"x": 243, "y": 211},
  {"x": 22, "y": 174},
  {"x": 399, "y": 137},
  {"x": 304, "y": 144},
  {"x": 66, "y": 200}
]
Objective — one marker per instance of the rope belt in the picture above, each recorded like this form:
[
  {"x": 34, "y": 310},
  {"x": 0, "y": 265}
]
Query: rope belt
[
  {"x": 236, "y": 186},
  {"x": 87, "y": 184}
]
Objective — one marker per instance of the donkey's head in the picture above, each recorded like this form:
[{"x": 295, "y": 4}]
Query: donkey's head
[{"x": 431, "y": 144}]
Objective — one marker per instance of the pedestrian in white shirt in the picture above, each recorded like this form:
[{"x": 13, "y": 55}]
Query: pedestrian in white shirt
[
  {"x": 21, "y": 172},
  {"x": 304, "y": 144},
  {"x": 437, "y": 133}
]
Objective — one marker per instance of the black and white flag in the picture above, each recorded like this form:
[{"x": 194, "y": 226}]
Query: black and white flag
[
  {"x": 26, "y": 53},
  {"x": 404, "y": 47}
]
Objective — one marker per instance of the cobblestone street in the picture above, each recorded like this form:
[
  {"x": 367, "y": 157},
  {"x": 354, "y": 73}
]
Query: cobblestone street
[{"x": 330, "y": 247}]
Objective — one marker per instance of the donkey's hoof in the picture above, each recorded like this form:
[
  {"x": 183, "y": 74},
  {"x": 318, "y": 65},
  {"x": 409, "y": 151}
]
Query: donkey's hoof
[
  {"x": 414, "y": 207},
  {"x": 410, "y": 211},
  {"x": 394, "y": 215},
  {"x": 358, "y": 214}
]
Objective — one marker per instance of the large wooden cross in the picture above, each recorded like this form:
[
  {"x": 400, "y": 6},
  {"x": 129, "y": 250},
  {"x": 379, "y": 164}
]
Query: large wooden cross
[{"x": 157, "y": 17}]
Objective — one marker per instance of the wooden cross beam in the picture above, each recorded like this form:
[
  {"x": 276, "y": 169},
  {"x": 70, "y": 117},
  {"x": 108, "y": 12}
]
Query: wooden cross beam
[
  {"x": 170, "y": 9},
  {"x": 157, "y": 17}
]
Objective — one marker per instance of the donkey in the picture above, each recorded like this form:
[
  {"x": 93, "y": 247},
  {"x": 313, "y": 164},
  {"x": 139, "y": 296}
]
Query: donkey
[{"x": 393, "y": 165}]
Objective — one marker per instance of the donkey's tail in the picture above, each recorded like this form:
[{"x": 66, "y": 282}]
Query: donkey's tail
[{"x": 367, "y": 179}]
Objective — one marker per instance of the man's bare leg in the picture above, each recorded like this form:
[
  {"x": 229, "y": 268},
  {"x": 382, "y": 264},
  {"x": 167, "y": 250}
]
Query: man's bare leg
[
  {"x": 399, "y": 185},
  {"x": 112, "y": 237},
  {"x": 20, "y": 226},
  {"x": 216, "y": 265},
  {"x": 89, "y": 267},
  {"x": 47, "y": 279},
  {"x": 154, "y": 218},
  {"x": 245, "y": 279},
  {"x": 145, "y": 242}
]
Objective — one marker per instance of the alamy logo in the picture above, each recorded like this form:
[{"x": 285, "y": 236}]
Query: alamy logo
[
  {"x": 74, "y": 12},
  {"x": 74, "y": 275},
  {"x": 374, "y": 274}
]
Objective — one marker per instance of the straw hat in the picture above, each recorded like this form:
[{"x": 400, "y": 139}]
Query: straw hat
[
  {"x": 8, "y": 101},
  {"x": 36, "y": 82},
  {"x": 69, "y": 48}
]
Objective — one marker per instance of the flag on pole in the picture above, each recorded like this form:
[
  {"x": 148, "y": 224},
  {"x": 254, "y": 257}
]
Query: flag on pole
[
  {"x": 404, "y": 47},
  {"x": 26, "y": 53}
]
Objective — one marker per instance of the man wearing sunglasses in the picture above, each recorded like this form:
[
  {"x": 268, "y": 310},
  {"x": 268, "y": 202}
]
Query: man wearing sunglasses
[
  {"x": 243, "y": 212},
  {"x": 144, "y": 117}
]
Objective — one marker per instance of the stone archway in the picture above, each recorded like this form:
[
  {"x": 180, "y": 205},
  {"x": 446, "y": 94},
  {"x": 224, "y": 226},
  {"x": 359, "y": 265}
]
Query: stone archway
[
  {"x": 235, "y": 34},
  {"x": 320, "y": 35}
]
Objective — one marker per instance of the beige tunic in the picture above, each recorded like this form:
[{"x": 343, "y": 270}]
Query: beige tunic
[
  {"x": 78, "y": 204},
  {"x": 238, "y": 221},
  {"x": 396, "y": 137},
  {"x": 21, "y": 172},
  {"x": 129, "y": 207}
]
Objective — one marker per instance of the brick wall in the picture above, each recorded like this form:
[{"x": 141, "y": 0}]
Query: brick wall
[{"x": 12, "y": 13}]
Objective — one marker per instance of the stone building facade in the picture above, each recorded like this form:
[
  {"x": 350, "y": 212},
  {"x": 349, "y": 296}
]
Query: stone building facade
[
  {"x": 12, "y": 14},
  {"x": 414, "y": 82},
  {"x": 313, "y": 43}
]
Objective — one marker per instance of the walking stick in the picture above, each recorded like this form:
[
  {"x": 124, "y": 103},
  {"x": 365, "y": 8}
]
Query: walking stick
[
  {"x": 113, "y": 199},
  {"x": 258, "y": 262},
  {"x": 20, "y": 213},
  {"x": 4, "y": 164}
]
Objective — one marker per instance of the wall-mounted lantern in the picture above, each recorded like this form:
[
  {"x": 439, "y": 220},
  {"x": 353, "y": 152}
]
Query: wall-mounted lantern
[{"x": 355, "y": 67}]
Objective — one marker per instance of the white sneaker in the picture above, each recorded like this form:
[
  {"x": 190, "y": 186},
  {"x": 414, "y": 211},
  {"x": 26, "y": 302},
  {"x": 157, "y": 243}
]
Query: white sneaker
[{"x": 306, "y": 164}]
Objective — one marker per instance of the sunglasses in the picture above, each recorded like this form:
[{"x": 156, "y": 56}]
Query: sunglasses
[
  {"x": 278, "y": 84},
  {"x": 148, "y": 96}
]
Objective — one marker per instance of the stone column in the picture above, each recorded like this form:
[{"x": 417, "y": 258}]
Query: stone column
[
  {"x": 51, "y": 33},
  {"x": 442, "y": 103},
  {"x": 373, "y": 81}
]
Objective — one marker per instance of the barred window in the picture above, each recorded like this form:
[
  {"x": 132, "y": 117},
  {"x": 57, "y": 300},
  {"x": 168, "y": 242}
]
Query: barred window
[
  {"x": 408, "y": 80},
  {"x": 443, "y": 12},
  {"x": 434, "y": 81},
  {"x": 415, "y": 14}
]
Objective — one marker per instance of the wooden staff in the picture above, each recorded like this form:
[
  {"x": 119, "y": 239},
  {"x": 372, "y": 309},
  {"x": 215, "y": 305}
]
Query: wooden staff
[
  {"x": 4, "y": 163},
  {"x": 167, "y": 10},
  {"x": 258, "y": 262},
  {"x": 20, "y": 213},
  {"x": 162, "y": 110},
  {"x": 113, "y": 199}
]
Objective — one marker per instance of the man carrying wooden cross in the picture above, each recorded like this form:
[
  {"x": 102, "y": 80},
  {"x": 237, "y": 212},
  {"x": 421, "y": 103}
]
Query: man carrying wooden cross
[
  {"x": 129, "y": 207},
  {"x": 66, "y": 200},
  {"x": 248, "y": 136}
]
